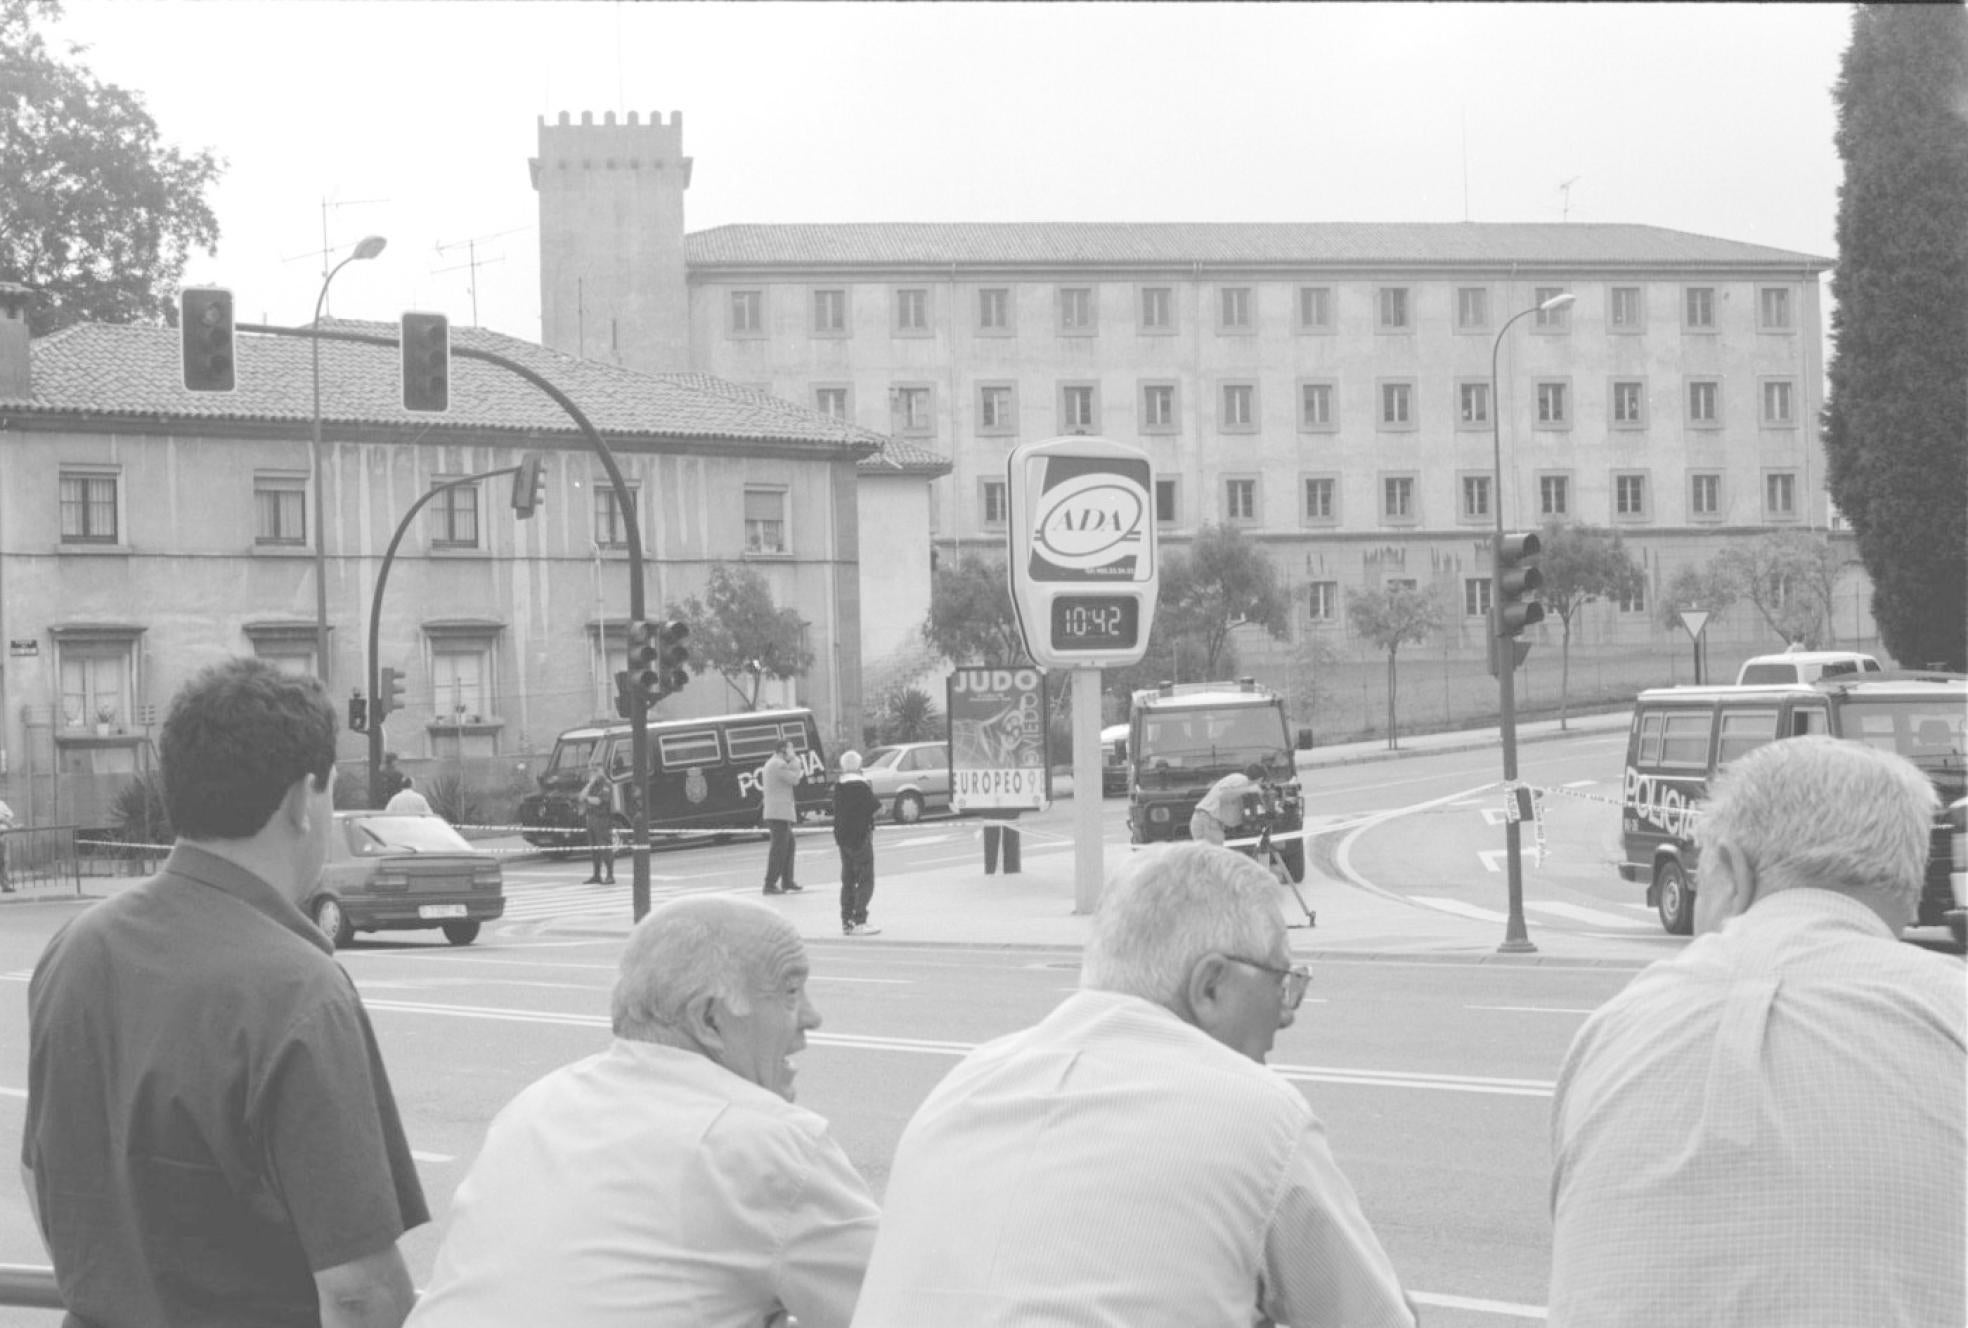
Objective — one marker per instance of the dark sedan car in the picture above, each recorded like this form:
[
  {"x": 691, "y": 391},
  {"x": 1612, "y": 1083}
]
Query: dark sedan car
[{"x": 393, "y": 872}]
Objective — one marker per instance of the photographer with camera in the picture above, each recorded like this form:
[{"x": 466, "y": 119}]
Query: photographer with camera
[{"x": 1222, "y": 808}]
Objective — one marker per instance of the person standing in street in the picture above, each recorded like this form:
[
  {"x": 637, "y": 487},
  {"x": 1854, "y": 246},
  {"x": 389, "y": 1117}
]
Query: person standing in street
[
  {"x": 407, "y": 801},
  {"x": 390, "y": 779},
  {"x": 600, "y": 820},
  {"x": 1222, "y": 808},
  {"x": 855, "y": 808},
  {"x": 6, "y": 824},
  {"x": 781, "y": 775},
  {"x": 210, "y": 1133}
]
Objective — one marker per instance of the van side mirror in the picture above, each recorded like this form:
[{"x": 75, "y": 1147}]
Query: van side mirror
[{"x": 1305, "y": 740}]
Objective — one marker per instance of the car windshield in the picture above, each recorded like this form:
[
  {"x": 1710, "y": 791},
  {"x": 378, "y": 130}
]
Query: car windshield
[
  {"x": 880, "y": 758},
  {"x": 572, "y": 756},
  {"x": 1199, "y": 739},
  {"x": 404, "y": 834}
]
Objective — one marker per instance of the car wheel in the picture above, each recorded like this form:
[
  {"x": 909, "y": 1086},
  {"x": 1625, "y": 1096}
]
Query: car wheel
[
  {"x": 1294, "y": 856},
  {"x": 461, "y": 933},
  {"x": 908, "y": 808},
  {"x": 1959, "y": 926},
  {"x": 333, "y": 921},
  {"x": 1676, "y": 899}
]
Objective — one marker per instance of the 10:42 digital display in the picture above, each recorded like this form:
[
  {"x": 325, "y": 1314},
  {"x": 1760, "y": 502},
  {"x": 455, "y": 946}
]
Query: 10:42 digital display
[{"x": 1095, "y": 622}]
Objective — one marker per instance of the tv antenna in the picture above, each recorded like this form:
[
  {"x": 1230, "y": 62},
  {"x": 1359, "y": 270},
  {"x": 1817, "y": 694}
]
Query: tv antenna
[
  {"x": 1565, "y": 197},
  {"x": 327, "y": 250},
  {"x": 473, "y": 262}
]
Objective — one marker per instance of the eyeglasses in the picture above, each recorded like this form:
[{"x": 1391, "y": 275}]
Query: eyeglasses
[{"x": 1292, "y": 981}]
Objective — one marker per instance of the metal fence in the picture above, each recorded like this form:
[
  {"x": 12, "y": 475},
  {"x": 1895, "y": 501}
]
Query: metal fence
[{"x": 40, "y": 861}]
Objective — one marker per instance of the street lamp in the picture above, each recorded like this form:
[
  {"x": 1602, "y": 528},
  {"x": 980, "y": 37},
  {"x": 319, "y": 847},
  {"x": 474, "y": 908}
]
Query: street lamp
[
  {"x": 368, "y": 247},
  {"x": 1516, "y": 940}
]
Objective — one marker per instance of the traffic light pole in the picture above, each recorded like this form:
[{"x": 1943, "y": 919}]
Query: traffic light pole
[{"x": 1516, "y": 937}]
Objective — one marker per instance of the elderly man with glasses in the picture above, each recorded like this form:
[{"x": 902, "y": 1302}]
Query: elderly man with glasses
[{"x": 1129, "y": 1159}]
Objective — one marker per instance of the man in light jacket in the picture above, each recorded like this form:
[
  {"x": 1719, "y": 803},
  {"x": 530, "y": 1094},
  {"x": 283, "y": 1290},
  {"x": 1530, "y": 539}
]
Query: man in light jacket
[{"x": 780, "y": 777}]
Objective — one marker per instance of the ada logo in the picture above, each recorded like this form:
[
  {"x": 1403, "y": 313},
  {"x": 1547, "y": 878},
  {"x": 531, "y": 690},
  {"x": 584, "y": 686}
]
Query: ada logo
[{"x": 1090, "y": 521}]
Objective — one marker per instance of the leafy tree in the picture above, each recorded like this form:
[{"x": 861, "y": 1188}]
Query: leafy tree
[
  {"x": 1707, "y": 587},
  {"x": 1896, "y": 428},
  {"x": 1224, "y": 581},
  {"x": 97, "y": 215},
  {"x": 737, "y": 630},
  {"x": 1174, "y": 653},
  {"x": 971, "y": 620},
  {"x": 1788, "y": 575},
  {"x": 1581, "y": 563},
  {"x": 909, "y": 715},
  {"x": 1391, "y": 617}
]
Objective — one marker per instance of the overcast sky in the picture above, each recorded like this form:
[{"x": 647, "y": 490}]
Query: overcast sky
[{"x": 415, "y": 120}]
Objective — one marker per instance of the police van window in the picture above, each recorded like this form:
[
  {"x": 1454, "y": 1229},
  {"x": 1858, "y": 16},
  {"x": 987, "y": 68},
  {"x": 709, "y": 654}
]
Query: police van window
[
  {"x": 1744, "y": 731},
  {"x": 1809, "y": 719},
  {"x": 1650, "y": 739},
  {"x": 751, "y": 742},
  {"x": 620, "y": 757},
  {"x": 696, "y": 747},
  {"x": 796, "y": 732},
  {"x": 1684, "y": 739},
  {"x": 572, "y": 754}
]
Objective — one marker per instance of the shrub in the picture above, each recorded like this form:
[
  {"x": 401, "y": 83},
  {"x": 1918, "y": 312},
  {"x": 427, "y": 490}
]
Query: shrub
[{"x": 139, "y": 812}]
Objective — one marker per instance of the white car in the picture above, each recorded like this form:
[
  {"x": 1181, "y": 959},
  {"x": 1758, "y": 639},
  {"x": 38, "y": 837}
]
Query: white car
[
  {"x": 1803, "y": 666},
  {"x": 910, "y": 778}
]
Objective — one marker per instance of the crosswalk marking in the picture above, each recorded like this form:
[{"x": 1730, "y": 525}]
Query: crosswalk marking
[
  {"x": 1579, "y": 914},
  {"x": 1552, "y": 907}
]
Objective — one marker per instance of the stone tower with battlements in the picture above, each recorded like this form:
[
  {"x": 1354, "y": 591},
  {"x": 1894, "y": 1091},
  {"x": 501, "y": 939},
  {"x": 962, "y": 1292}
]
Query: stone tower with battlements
[{"x": 612, "y": 281}]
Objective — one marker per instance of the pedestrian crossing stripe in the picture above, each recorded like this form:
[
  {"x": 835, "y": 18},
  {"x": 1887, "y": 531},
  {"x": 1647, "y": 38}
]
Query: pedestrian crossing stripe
[{"x": 1554, "y": 908}]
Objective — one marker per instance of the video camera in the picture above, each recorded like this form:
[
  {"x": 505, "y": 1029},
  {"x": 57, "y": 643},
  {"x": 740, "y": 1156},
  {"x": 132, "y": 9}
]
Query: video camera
[{"x": 1269, "y": 807}]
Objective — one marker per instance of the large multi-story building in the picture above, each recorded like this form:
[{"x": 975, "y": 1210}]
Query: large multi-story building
[{"x": 1326, "y": 388}]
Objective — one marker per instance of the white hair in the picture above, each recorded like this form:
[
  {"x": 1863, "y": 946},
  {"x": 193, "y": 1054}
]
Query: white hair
[
  {"x": 1166, "y": 908},
  {"x": 1827, "y": 813},
  {"x": 709, "y": 945}
]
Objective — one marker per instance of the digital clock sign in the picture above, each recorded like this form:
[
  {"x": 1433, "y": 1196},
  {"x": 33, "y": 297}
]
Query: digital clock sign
[{"x": 1095, "y": 622}]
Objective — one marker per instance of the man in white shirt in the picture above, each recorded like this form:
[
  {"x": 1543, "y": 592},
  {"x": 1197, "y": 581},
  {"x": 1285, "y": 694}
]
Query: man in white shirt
[
  {"x": 1222, "y": 808},
  {"x": 406, "y": 801},
  {"x": 668, "y": 1179},
  {"x": 1129, "y": 1160},
  {"x": 1768, "y": 1128}
]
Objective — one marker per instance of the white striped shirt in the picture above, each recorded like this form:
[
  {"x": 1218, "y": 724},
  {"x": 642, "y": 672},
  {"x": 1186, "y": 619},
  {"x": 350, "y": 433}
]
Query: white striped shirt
[
  {"x": 1768, "y": 1129},
  {"x": 1116, "y": 1166}
]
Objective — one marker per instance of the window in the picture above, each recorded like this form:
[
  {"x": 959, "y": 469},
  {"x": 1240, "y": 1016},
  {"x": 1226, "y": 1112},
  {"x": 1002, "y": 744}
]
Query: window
[
  {"x": 1315, "y": 309},
  {"x": 1476, "y": 596},
  {"x": 1165, "y": 508},
  {"x": 1780, "y": 494},
  {"x": 88, "y": 508},
  {"x": 1475, "y": 497},
  {"x": 610, "y": 529},
  {"x": 1076, "y": 310},
  {"x": 1685, "y": 741},
  {"x": 1397, "y": 497},
  {"x": 1776, "y": 402},
  {"x": 1554, "y": 411},
  {"x": 1702, "y": 395},
  {"x": 1240, "y": 500},
  {"x": 288, "y": 646},
  {"x": 1391, "y": 303},
  {"x": 1773, "y": 308},
  {"x": 993, "y": 494},
  {"x": 1551, "y": 320},
  {"x": 831, "y": 401},
  {"x": 1400, "y": 583},
  {"x": 96, "y": 666},
  {"x": 1239, "y": 407},
  {"x": 910, "y": 409},
  {"x": 1705, "y": 495},
  {"x": 1078, "y": 407},
  {"x": 1323, "y": 601},
  {"x": 765, "y": 521},
  {"x": 994, "y": 309},
  {"x": 996, "y": 408},
  {"x": 912, "y": 310},
  {"x": 678, "y": 750},
  {"x": 1742, "y": 732},
  {"x": 829, "y": 313},
  {"x": 279, "y": 509},
  {"x": 1554, "y": 495},
  {"x": 1629, "y": 403},
  {"x": 747, "y": 313},
  {"x": 1698, "y": 304},
  {"x": 1321, "y": 499},
  {"x": 1633, "y": 599},
  {"x": 460, "y": 692},
  {"x": 1315, "y": 406},
  {"x": 1624, "y": 311},
  {"x": 1157, "y": 309},
  {"x": 454, "y": 518},
  {"x": 1472, "y": 308},
  {"x": 1630, "y": 496},
  {"x": 1234, "y": 312},
  {"x": 1158, "y": 408},
  {"x": 1397, "y": 405},
  {"x": 1473, "y": 403}
]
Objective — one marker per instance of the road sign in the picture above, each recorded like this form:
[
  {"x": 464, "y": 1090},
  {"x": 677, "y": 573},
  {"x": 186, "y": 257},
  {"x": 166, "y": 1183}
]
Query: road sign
[
  {"x": 1084, "y": 572},
  {"x": 1694, "y": 620}
]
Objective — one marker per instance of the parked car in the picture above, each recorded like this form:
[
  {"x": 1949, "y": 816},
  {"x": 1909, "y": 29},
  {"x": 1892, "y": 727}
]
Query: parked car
[
  {"x": 394, "y": 872},
  {"x": 1803, "y": 666},
  {"x": 910, "y": 778}
]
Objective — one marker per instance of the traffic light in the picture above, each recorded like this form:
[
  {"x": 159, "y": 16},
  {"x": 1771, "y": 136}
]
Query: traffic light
[
  {"x": 358, "y": 714},
  {"x": 389, "y": 693},
  {"x": 622, "y": 700},
  {"x": 645, "y": 660},
  {"x": 1517, "y": 580},
  {"x": 530, "y": 485},
  {"x": 426, "y": 344},
  {"x": 675, "y": 662},
  {"x": 205, "y": 338}
]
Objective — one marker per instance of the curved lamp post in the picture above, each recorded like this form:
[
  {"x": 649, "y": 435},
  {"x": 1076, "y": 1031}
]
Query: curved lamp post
[
  {"x": 368, "y": 247},
  {"x": 1516, "y": 940}
]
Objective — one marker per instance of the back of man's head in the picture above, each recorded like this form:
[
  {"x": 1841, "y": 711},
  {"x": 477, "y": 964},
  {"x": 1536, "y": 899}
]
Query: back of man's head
[
  {"x": 236, "y": 738},
  {"x": 1164, "y": 909},
  {"x": 701, "y": 946},
  {"x": 1827, "y": 814},
  {"x": 1254, "y": 772}
]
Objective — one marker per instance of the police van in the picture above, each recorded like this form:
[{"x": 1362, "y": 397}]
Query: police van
[
  {"x": 1681, "y": 736},
  {"x": 704, "y": 774}
]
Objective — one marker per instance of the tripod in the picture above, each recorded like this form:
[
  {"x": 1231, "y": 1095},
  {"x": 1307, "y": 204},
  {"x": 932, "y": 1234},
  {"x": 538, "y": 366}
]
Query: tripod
[{"x": 1267, "y": 853}]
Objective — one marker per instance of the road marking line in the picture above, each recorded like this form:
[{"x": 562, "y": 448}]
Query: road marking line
[
  {"x": 1531, "y": 1009},
  {"x": 13, "y": 1092},
  {"x": 1581, "y": 783},
  {"x": 421, "y": 1156},
  {"x": 1458, "y": 907},
  {"x": 1580, "y": 914},
  {"x": 1495, "y": 816},
  {"x": 1480, "y": 1306}
]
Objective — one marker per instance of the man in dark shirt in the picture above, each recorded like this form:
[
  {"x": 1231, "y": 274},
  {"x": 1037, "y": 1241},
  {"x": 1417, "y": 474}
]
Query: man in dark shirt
[
  {"x": 855, "y": 807},
  {"x": 211, "y": 1137}
]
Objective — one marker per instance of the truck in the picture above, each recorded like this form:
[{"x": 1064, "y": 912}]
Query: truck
[{"x": 1183, "y": 737}]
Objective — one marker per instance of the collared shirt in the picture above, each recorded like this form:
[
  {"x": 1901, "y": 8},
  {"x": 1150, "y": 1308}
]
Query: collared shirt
[
  {"x": 650, "y": 1185},
  {"x": 1225, "y": 799},
  {"x": 208, "y": 1118},
  {"x": 1768, "y": 1129},
  {"x": 1112, "y": 1166},
  {"x": 409, "y": 802}
]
